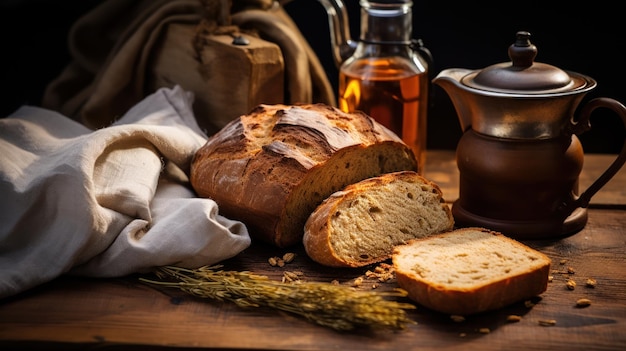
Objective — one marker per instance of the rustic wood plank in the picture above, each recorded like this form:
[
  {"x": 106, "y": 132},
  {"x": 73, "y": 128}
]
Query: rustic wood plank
[
  {"x": 123, "y": 311},
  {"x": 79, "y": 313}
]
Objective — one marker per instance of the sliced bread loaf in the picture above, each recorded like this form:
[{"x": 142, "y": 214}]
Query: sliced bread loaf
[
  {"x": 361, "y": 224},
  {"x": 271, "y": 168},
  {"x": 469, "y": 270}
]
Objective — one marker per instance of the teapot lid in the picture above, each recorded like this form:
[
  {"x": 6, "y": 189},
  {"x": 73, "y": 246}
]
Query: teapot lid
[{"x": 522, "y": 74}]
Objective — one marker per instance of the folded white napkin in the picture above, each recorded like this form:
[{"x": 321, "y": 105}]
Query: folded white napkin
[{"x": 109, "y": 202}]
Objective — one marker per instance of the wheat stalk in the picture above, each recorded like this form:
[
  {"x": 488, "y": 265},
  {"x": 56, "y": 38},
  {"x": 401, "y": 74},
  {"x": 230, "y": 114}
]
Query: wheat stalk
[{"x": 335, "y": 306}]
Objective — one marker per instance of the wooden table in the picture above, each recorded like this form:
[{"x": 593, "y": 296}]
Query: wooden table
[{"x": 79, "y": 314}]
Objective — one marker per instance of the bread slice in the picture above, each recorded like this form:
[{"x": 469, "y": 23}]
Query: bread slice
[
  {"x": 361, "y": 224},
  {"x": 469, "y": 270},
  {"x": 272, "y": 167}
]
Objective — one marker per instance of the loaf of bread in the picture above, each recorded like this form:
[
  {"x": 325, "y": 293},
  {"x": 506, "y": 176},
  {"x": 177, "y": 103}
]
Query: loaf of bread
[
  {"x": 469, "y": 270},
  {"x": 272, "y": 167},
  {"x": 362, "y": 223}
]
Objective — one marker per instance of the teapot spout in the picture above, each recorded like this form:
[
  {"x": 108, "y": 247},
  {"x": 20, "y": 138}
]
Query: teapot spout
[
  {"x": 341, "y": 43},
  {"x": 450, "y": 81}
]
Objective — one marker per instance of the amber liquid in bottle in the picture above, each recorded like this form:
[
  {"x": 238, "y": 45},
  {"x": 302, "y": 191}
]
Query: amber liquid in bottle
[{"x": 392, "y": 94}]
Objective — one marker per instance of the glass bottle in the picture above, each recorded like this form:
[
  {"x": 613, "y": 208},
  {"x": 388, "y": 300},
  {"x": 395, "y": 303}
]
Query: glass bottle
[{"x": 387, "y": 75}]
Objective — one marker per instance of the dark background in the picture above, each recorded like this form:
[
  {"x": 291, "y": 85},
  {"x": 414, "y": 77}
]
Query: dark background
[{"x": 588, "y": 39}]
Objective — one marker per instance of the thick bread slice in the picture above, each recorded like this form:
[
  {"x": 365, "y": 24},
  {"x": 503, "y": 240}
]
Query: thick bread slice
[
  {"x": 361, "y": 224},
  {"x": 272, "y": 167},
  {"x": 470, "y": 270}
]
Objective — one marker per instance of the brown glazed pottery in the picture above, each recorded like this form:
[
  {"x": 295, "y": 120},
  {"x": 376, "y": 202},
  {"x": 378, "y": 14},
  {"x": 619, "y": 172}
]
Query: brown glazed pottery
[{"x": 519, "y": 157}]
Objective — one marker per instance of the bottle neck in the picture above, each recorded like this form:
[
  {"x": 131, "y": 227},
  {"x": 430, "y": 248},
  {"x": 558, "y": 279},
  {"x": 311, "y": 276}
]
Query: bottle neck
[{"x": 387, "y": 22}]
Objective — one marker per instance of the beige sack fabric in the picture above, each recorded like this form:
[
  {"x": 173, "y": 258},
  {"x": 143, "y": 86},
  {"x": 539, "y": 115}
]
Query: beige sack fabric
[{"x": 113, "y": 48}]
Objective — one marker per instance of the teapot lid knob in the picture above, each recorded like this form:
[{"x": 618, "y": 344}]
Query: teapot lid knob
[
  {"x": 522, "y": 53},
  {"x": 522, "y": 74}
]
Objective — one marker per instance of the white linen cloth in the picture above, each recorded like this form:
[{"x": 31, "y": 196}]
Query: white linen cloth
[{"x": 109, "y": 202}]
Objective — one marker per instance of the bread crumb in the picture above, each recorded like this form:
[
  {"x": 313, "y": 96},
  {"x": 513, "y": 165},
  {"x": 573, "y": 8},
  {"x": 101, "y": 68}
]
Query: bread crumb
[
  {"x": 571, "y": 284},
  {"x": 590, "y": 283},
  {"x": 384, "y": 272},
  {"x": 513, "y": 318},
  {"x": 276, "y": 261},
  {"x": 457, "y": 318},
  {"x": 292, "y": 276},
  {"x": 583, "y": 302},
  {"x": 547, "y": 322},
  {"x": 357, "y": 282},
  {"x": 484, "y": 330},
  {"x": 289, "y": 257}
]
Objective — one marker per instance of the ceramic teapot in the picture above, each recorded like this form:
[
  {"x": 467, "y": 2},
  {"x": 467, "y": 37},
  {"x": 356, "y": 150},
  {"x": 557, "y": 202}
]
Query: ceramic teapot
[
  {"x": 385, "y": 72},
  {"x": 519, "y": 157}
]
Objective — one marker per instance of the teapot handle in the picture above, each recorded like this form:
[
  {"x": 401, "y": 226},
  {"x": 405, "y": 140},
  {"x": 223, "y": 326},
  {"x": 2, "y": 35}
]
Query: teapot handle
[{"x": 584, "y": 125}]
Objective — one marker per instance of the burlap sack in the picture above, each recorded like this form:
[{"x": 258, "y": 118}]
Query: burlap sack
[{"x": 113, "y": 48}]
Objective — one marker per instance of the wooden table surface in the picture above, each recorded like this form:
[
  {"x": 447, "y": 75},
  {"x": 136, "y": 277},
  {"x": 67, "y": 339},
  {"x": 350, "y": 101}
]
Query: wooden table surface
[{"x": 125, "y": 314}]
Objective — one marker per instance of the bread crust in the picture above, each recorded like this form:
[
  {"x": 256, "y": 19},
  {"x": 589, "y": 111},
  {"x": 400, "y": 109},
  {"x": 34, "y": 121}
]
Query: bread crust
[
  {"x": 257, "y": 166},
  {"x": 484, "y": 295},
  {"x": 319, "y": 234}
]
